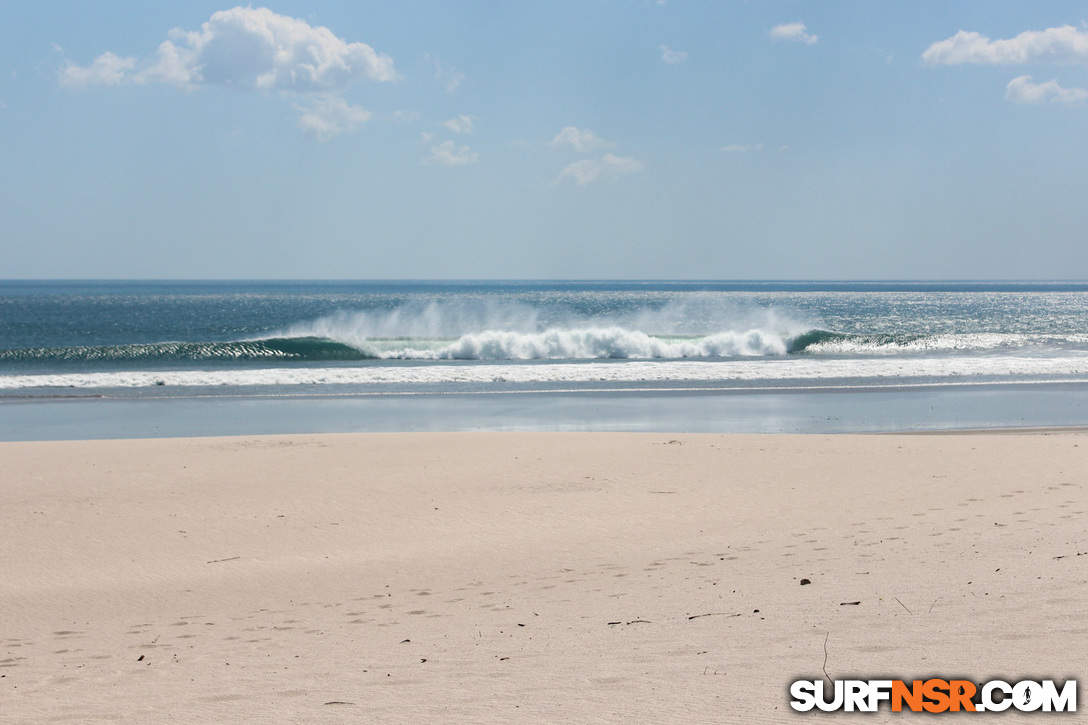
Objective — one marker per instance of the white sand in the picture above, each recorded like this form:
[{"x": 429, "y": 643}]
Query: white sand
[{"x": 528, "y": 577}]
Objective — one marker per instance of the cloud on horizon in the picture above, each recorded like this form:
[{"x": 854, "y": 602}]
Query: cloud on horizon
[
  {"x": 672, "y": 57},
  {"x": 450, "y": 78},
  {"x": 794, "y": 32},
  {"x": 248, "y": 48},
  {"x": 581, "y": 140},
  {"x": 330, "y": 115},
  {"x": 608, "y": 167},
  {"x": 252, "y": 49},
  {"x": 107, "y": 69},
  {"x": 1023, "y": 90},
  {"x": 448, "y": 153},
  {"x": 1062, "y": 45},
  {"x": 461, "y": 124}
]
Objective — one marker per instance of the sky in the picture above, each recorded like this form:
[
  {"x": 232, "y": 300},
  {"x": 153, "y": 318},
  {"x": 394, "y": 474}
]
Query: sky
[{"x": 610, "y": 139}]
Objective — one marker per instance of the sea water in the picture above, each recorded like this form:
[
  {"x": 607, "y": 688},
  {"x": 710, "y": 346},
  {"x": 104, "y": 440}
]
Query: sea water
[{"x": 125, "y": 357}]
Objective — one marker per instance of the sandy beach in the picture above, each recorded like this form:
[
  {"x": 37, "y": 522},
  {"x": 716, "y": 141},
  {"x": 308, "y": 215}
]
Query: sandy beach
[{"x": 507, "y": 577}]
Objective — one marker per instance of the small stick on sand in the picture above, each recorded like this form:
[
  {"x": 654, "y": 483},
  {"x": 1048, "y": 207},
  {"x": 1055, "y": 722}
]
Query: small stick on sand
[{"x": 824, "y": 667}]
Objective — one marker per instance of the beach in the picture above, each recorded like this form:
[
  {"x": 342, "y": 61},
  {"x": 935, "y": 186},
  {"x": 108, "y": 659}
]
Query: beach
[
  {"x": 529, "y": 577},
  {"x": 640, "y": 362}
]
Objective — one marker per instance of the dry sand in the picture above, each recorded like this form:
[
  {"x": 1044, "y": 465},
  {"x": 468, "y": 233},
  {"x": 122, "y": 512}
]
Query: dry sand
[{"x": 528, "y": 577}]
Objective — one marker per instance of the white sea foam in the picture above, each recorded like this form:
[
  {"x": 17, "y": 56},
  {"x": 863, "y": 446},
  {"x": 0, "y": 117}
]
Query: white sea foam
[
  {"x": 938, "y": 368},
  {"x": 592, "y": 342},
  {"x": 978, "y": 341},
  {"x": 485, "y": 330},
  {"x": 433, "y": 320}
]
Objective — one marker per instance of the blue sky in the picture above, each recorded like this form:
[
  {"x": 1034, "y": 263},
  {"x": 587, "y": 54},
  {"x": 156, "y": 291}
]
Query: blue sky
[{"x": 585, "y": 140}]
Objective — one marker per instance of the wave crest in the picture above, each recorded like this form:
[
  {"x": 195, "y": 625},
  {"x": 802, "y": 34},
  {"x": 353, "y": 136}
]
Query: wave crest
[
  {"x": 488, "y": 330},
  {"x": 594, "y": 343}
]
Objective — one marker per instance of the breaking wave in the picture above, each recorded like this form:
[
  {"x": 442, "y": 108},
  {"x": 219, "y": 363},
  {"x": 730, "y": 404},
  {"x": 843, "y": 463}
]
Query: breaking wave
[
  {"x": 485, "y": 331},
  {"x": 591, "y": 343},
  {"x": 579, "y": 343},
  {"x": 520, "y": 332}
]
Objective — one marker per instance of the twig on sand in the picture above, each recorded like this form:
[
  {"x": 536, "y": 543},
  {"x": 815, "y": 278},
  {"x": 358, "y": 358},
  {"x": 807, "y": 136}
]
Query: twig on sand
[
  {"x": 714, "y": 614},
  {"x": 931, "y": 605},
  {"x": 824, "y": 668},
  {"x": 231, "y": 558},
  {"x": 904, "y": 606}
]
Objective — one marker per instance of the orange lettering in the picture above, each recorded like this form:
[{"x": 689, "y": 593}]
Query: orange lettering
[
  {"x": 934, "y": 691},
  {"x": 912, "y": 695},
  {"x": 961, "y": 692}
]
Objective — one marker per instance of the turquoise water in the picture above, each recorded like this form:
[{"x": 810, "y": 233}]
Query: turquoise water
[{"x": 571, "y": 347}]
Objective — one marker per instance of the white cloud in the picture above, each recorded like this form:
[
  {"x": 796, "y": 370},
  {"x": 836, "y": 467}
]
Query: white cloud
[
  {"x": 461, "y": 124},
  {"x": 450, "y": 78},
  {"x": 581, "y": 140},
  {"x": 741, "y": 148},
  {"x": 426, "y": 137},
  {"x": 330, "y": 116},
  {"x": 1053, "y": 45},
  {"x": 246, "y": 48},
  {"x": 448, "y": 153},
  {"x": 672, "y": 57},
  {"x": 608, "y": 167},
  {"x": 796, "y": 32},
  {"x": 1022, "y": 90},
  {"x": 106, "y": 70}
]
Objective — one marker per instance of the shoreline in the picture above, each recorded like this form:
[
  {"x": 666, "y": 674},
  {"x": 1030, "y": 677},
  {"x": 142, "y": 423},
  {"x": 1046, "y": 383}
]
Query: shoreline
[
  {"x": 563, "y": 577},
  {"x": 1031, "y": 406},
  {"x": 1012, "y": 430}
]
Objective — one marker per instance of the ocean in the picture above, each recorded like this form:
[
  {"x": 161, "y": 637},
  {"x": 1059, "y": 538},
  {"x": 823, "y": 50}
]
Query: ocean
[{"x": 142, "y": 358}]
